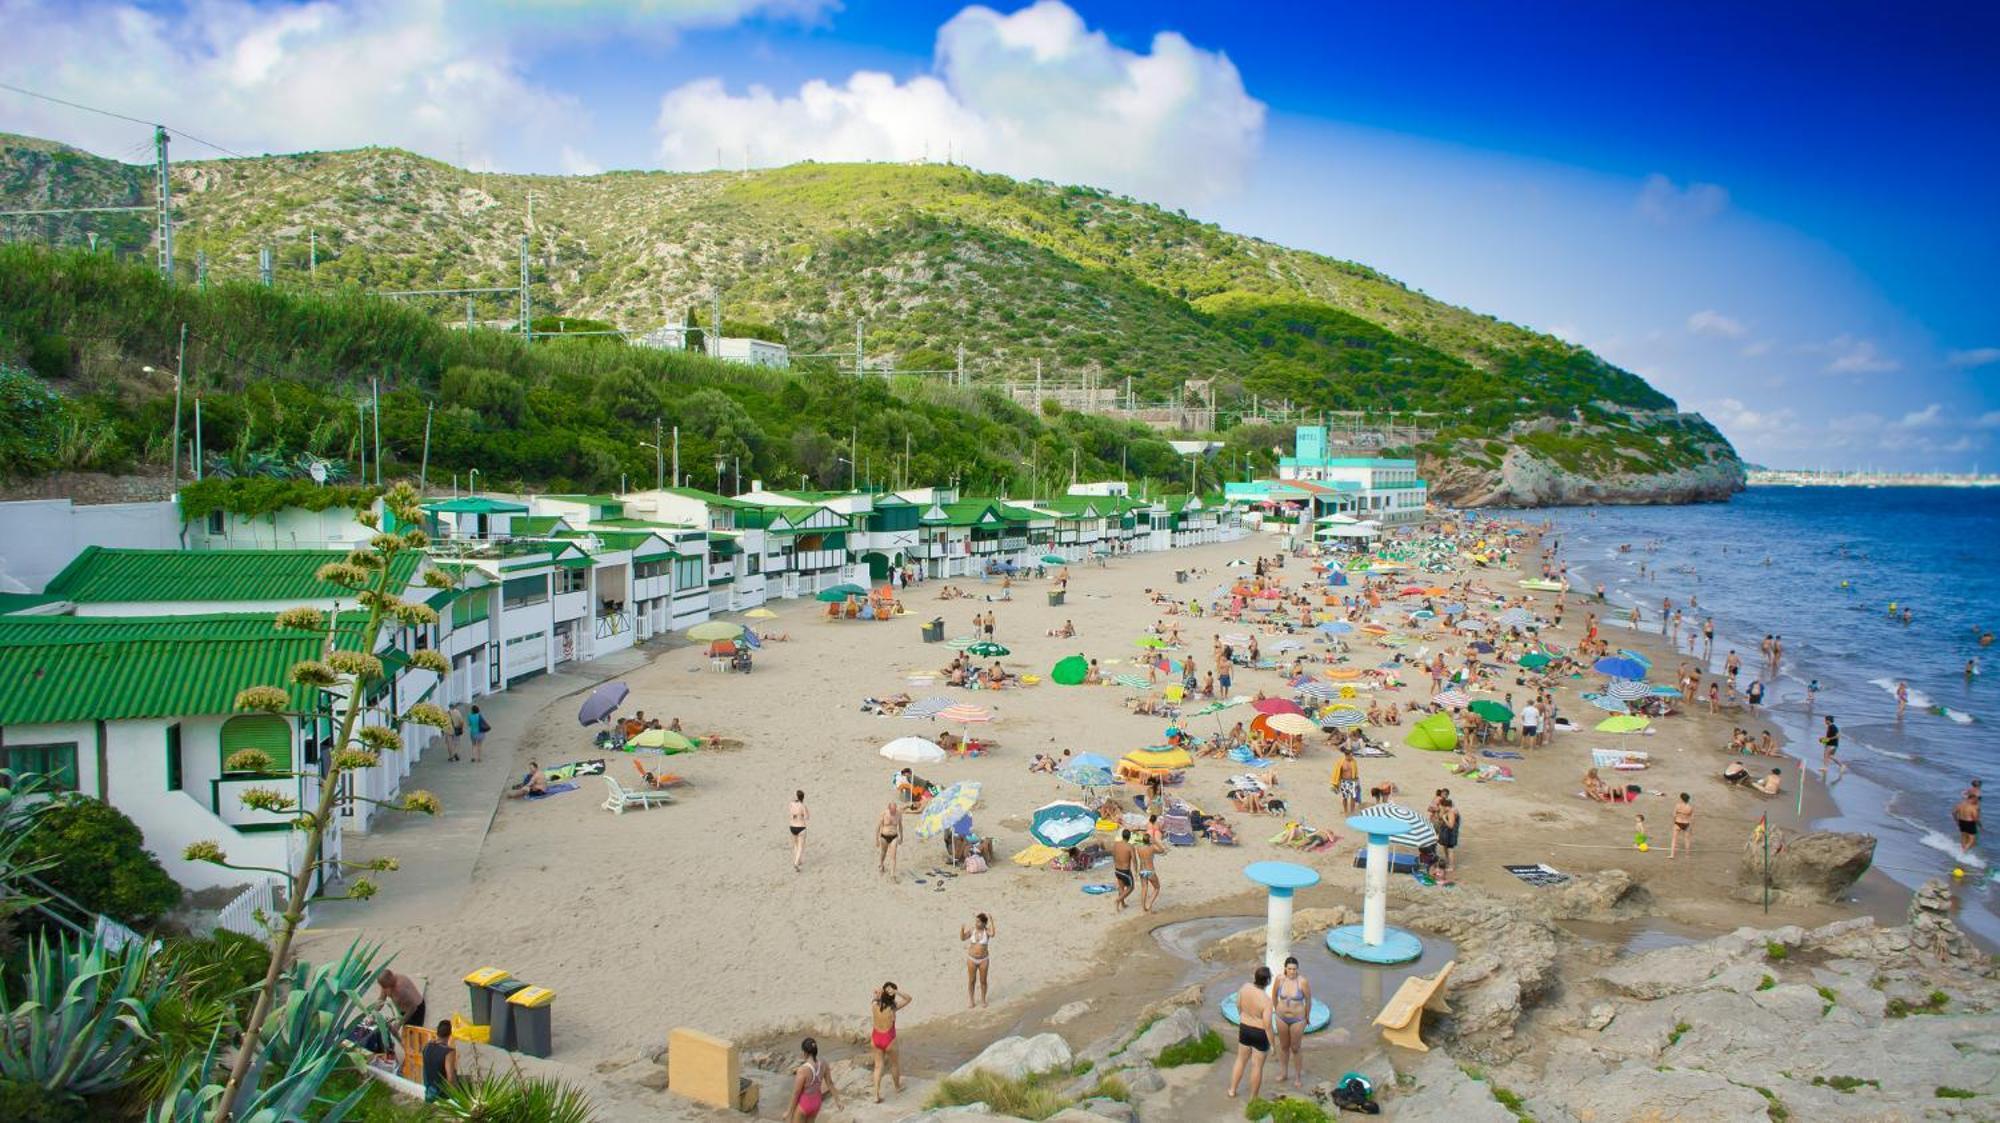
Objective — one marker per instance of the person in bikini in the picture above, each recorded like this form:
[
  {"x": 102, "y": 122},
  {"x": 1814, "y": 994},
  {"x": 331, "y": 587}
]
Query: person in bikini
[
  {"x": 1253, "y": 1032},
  {"x": 1149, "y": 878},
  {"x": 1291, "y": 1001},
  {"x": 888, "y": 830},
  {"x": 882, "y": 1039},
  {"x": 978, "y": 955},
  {"x": 797, "y": 816},
  {"x": 810, "y": 1086}
]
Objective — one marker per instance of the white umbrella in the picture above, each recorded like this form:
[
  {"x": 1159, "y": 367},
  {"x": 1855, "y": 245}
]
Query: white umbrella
[{"x": 913, "y": 750}]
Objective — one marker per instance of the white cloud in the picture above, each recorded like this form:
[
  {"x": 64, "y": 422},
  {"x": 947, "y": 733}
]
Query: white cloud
[
  {"x": 1663, "y": 201},
  {"x": 1035, "y": 93},
  {"x": 573, "y": 162},
  {"x": 1988, "y": 420},
  {"x": 1858, "y": 356},
  {"x": 1710, "y": 322},
  {"x": 1755, "y": 350},
  {"x": 1974, "y": 357},
  {"x": 1925, "y": 418},
  {"x": 1739, "y": 420}
]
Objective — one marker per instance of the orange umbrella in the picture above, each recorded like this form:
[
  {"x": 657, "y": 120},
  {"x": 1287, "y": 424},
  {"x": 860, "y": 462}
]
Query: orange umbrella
[{"x": 1341, "y": 674}]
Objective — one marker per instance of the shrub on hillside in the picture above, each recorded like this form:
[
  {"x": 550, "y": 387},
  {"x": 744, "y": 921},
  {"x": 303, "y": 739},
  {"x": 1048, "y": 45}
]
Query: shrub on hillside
[{"x": 101, "y": 861}]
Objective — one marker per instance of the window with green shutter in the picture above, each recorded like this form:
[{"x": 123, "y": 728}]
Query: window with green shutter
[
  {"x": 174, "y": 763},
  {"x": 56, "y": 761},
  {"x": 267, "y": 733},
  {"x": 470, "y": 607}
]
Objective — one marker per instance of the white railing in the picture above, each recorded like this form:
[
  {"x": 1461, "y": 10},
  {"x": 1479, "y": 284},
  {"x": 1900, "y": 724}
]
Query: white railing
[{"x": 240, "y": 915}]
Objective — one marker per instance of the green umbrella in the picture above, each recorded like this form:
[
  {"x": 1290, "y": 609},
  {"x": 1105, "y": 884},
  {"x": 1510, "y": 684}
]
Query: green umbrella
[
  {"x": 1535, "y": 660},
  {"x": 839, "y": 593},
  {"x": 1053, "y": 559},
  {"x": 1622, "y": 723},
  {"x": 1434, "y": 734},
  {"x": 1491, "y": 710},
  {"x": 1070, "y": 671},
  {"x": 987, "y": 650}
]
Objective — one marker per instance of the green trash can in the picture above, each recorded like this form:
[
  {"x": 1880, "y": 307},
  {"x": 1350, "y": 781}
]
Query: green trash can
[
  {"x": 504, "y": 1031},
  {"x": 479, "y": 985},
  {"x": 934, "y": 631},
  {"x": 530, "y": 1011},
  {"x": 1056, "y": 598}
]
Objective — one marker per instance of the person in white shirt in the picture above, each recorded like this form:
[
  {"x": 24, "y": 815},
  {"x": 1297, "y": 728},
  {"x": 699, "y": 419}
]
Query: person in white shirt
[{"x": 1531, "y": 724}]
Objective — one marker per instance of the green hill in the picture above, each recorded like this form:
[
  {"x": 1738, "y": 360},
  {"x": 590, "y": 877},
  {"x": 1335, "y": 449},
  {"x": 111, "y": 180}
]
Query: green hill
[{"x": 927, "y": 258}]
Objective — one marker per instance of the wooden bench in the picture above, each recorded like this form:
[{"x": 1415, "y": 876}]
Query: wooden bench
[{"x": 1402, "y": 1019}]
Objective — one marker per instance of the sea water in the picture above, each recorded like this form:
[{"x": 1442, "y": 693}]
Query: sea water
[{"x": 1820, "y": 567}]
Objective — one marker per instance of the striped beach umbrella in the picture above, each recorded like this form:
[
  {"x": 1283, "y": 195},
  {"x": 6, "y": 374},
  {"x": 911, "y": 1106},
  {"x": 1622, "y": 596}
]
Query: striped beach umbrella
[
  {"x": 1607, "y": 703},
  {"x": 1517, "y": 618},
  {"x": 928, "y": 707},
  {"x": 1319, "y": 691},
  {"x": 1343, "y": 718},
  {"x": 1452, "y": 698},
  {"x": 1628, "y": 690},
  {"x": 965, "y": 713},
  {"x": 1418, "y": 830},
  {"x": 1132, "y": 682},
  {"x": 1292, "y": 725}
]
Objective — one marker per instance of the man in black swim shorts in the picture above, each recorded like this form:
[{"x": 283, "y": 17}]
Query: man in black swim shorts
[{"x": 1253, "y": 1031}]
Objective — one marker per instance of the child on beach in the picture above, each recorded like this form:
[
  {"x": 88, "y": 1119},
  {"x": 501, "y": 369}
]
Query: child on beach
[{"x": 1639, "y": 839}]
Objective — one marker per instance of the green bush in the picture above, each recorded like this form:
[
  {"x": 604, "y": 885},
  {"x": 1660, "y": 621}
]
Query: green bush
[
  {"x": 1947, "y": 1092},
  {"x": 1029, "y": 1097},
  {"x": 512, "y": 1097},
  {"x": 1775, "y": 951},
  {"x": 100, "y": 861},
  {"x": 31, "y": 1103},
  {"x": 1286, "y": 1110},
  {"x": 1200, "y": 1051}
]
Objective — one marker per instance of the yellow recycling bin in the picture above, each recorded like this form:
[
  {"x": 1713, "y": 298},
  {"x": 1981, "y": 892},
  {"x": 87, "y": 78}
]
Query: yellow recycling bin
[
  {"x": 531, "y": 1010},
  {"x": 479, "y": 985}
]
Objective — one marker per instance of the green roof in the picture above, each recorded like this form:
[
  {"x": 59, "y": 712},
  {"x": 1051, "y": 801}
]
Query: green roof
[
  {"x": 104, "y": 668},
  {"x": 101, "y": 575},
  {"x": 476, "y": 505},
  {"x": 638, "y": 524},
  {"x": 709, "y": 497},
  {"x": 592, "y": 500},
  {"x": 534, "y": 524}
]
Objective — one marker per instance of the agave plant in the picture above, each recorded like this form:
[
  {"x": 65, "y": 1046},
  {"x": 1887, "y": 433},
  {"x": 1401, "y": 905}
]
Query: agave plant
[
  {"x": 513, "y": 1097},
  {"x": 81, "y": 1015}
]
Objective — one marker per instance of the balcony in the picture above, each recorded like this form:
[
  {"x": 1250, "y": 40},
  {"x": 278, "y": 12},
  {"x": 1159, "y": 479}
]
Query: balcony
[{"x": 225, "y": 800}]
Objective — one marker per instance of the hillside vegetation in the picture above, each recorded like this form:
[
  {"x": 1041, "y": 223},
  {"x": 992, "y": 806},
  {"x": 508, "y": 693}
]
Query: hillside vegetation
[{"x": 927, "y": 258}]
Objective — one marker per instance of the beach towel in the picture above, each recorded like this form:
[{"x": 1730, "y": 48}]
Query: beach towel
[
  {"x": 554, "y": 789},
  {"x": 1036, "y": 855},
  {"x": 1098, "y": 890},
  {"x": 1501, "y": 755},
  {"x": 575, "y": 768},
  {"x": 1538, "y": 875},
  {"x": 1367, "y": 750}
]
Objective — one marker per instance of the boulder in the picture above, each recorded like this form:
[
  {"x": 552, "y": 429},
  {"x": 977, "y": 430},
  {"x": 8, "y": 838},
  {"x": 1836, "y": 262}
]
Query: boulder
[
  {"x": 1142, "y": 1081},
  {"x": 1443, "y": 1094},
  {"x": 1016, "y": 1057},
  {"x": 1816, "y": 867},
  {"x": 1069, "y": 1012},
  {"x": 1109, "y": 1109},
  {"x": 1181, "y": 1025},
  {"x": 966, "y": 1113}
]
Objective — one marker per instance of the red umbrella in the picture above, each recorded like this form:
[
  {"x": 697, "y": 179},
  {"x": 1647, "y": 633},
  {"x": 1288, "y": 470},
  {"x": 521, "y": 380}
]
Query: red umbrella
[
  {"x": 1276, "y": 706},
  {"x": 1411, "y": 591}
]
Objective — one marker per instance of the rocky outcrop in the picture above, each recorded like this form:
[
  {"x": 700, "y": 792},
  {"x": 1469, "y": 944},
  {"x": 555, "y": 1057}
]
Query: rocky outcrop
[
  {"x": 1608, "y": 454},
  {"x": 1016, "y": 1057},
  {"x": 1525, "y": 479},
  {"x": 1814, "y": 868},
  {"x": 1181, "y": 1025}
]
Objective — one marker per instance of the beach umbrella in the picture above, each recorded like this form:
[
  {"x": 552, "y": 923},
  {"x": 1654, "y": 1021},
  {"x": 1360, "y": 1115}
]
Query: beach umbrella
[
  {"x": 1053, "y": 559},
  {"x": 987, "y": 649},
  {"x": 1483, "y": 647},
  {"x": 1319, "y": 691},
  {"x": 1628, "y": 690},
  {"x": 1087, "y": 770},
  {"x": 965, "y": 713},
  {"x": 1070, "y": 671},
  {"x": 602, "y": 702},
  {"x": 1663, "y": 691},
  {"x": 1336, "y": 627},
  {"x": 1285, "y": 645},
  {"x": 1341, "y": 674},
  {"x": 761, "y": 614},
  {"x": 1151, "y": 643},
  {"x": 1133, "y": 682},
  {"x": 1491, "y": 710},
  {"x": 1277, "y": 706},
  {"x": 1292, "y": 725},
  {"x": 1062, "y": 824},
  {"x": 928, "y": 707},
  {"x": 1235, "y": 563},
  {"x": 1434, "y": 734},
  {"x": 715, "y": 630},
  {"x": 913, "y": 750},
  {"x": 1622, "y": 723},
  {"x": 1423, "y": 614},
  {"x": 1452, "y": 609},
  {"x": 1619, "y": 667},
  {"x": 1417, "y": 831},
  {"x": 1636, "y": 657},
  {"x": 838, "y": 593},
  {"x": 948, "y": 808},
  {"x": 1451, "y": 698},
  {"x": 1535, "y": 660},
  {"x": 665, "y": 740},
  {"x": 1607, "y": 703},
  {"x": 1217, "y": 707},
  {"x": 1101, "y": 551},
  {"x": 1517, "y": 618},
  {"x": 1343, "y": 718},
  {"x": 1158, "y": 760}
]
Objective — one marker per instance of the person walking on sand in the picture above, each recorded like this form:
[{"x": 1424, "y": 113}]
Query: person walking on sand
[
  {"x": 1121, "y": 867},
  {"x": 1291, "y": 1001},
  {"x": 1253, "y": 1032},
  {"x": 797, "y": 817},
  {"x": 810, "y": 1086},
  {"x": 1966, "y": 815},
  {"x": 1149, "y": 878},
  {"x": 978, "y": 941},
  {"x": 882, "y": 1038},
  {"x": 477, "y": 725},
  {"x": 1683, "y": 828},
  {"x": 1830, "y": 749},
  {"x": 1347, "y": 780},
  {"x": 888, "y": 832}
]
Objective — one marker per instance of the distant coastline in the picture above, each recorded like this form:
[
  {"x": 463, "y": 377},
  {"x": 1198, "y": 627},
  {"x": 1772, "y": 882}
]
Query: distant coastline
[{"x": 1768, "y": 477}]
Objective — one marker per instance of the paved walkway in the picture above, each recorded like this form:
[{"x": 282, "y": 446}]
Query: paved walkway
[{"x": 438, "y": 852}]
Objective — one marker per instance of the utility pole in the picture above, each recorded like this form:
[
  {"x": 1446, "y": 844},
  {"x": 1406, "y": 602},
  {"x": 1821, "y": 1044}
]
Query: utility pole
[
  {"x": 527, "y": 332},
  {"x": 360, "y": 433},
  {"x": 197, "y": 439},
  {"x": 959, "y": 378},
  {"x": 1038, "y": 386},
  {"x": 677, "y": 456},
  {"x": 715, "y": 323},
  {"x": 659, "y": 455},
  {"x": 468, "y": 313},
  {"x": 375, "y": 407},
  {"x": 853, "y": 454},
  {"x": 264, "y": 265},
  {"x": 180, "y": 370},
  {"x": 312, "y": 253},
  {"x": 164, "y": 192},
  {"x": 424, "y": 468}
]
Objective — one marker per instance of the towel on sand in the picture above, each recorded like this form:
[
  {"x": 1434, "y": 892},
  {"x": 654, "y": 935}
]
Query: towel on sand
[{"x": 555, "y": 789}]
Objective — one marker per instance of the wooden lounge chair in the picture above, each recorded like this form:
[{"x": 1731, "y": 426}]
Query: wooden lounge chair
[
  {"x": 621, "y": 797},
  {"x": 1402, "y": 1019}
]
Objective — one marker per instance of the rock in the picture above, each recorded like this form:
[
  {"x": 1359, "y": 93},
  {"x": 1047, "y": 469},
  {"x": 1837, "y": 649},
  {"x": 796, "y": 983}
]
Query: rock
[
  {"x": 654, "y": 1078},
  {"x": 1142, "y": 1081},
  {"x": 1015, "y": 1057},
  {"x": 1468, "y": 478},
  {"x": 1181, "y": 1025},
  {"x": 1637, "y": 1091},
  {"x": 1931, "y": 926},
  {"x": 965, "y": 1113},
  {"x": 1599, "y": 1015},
  {"x": 1675, "y": 970},
  {"x": 1817, "y": 867},
  {"x": 1443, "y": 1094},
  {"x": 1069, "y": 1012},
  {"x": 1110, "y": 1109}
]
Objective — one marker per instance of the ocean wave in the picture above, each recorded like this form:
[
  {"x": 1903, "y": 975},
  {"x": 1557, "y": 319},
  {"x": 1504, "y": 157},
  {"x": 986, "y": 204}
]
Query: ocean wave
[
  {"x": 1939, "y": 841},
  {"x": 1918, "y": 698}
]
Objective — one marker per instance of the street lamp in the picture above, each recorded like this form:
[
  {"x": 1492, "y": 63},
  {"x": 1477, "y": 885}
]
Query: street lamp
[
  {"x": 659, "y": 464},
  {"x": 850, "y": 470}
]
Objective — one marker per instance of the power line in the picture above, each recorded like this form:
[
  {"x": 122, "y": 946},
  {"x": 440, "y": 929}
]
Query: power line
[{"x": 77, "y": 105}]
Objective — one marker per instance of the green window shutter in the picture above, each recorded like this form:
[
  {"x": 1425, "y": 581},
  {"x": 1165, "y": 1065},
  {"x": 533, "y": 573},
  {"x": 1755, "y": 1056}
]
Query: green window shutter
[
  {"x": 55, "y": 761},
  {"x": 174, "y": 757},
  {"x": 471, "y": 607},
  {"x": 266, "y": 732}
]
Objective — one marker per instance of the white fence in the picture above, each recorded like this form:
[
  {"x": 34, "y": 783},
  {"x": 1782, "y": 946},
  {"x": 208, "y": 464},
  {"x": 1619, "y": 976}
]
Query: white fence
[{"x": 240, "y": 915}]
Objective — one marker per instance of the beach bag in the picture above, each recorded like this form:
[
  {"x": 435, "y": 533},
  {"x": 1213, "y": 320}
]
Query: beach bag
[
  {"x": 975, "y": 863},
  {"x": 1354, "y": 1093}
]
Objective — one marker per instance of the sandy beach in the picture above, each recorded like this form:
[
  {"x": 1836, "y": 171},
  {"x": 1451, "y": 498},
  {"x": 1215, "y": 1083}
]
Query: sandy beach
[{"x": 692, "y": 915}]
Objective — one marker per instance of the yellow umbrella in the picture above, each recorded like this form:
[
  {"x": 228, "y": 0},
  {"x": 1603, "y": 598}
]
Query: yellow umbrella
[
  {"x": 663, "y": 739},
  {"x": 714, "y": 630},
  {"x": 761, "y": 614},
  {"x": 1158, "y": 760}
]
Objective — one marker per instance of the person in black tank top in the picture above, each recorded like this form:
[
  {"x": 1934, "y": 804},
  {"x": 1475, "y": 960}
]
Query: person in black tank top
[{"x": 440, "y": 1063}]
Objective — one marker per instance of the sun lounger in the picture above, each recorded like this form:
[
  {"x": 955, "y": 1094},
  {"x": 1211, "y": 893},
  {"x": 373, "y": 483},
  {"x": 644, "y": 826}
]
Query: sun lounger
[
  {"x": 1402, "y": 1019},
  {"x": 657, "y": 781},
  {"x": 621, "y": 797},
  {"x": 1178, "y": 829}
]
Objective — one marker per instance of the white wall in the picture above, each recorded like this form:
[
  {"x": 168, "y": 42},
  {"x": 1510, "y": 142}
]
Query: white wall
[{"x": 38, "y": 537}]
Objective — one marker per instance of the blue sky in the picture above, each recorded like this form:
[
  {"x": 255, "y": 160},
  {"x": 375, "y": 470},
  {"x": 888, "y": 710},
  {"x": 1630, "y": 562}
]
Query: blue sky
[{"x": 1781, "y": 214}]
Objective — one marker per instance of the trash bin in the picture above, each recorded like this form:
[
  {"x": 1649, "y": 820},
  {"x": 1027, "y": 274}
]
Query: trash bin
[
  {"x": 1056, "y": 598},
  {"x": 1180, "y": 576},
  {"x": 479, "y": 985},
  {"x": 934, "y": 631},
  {"x": 530, "y": 1010},
  {"x": 503, "y": 1028}
]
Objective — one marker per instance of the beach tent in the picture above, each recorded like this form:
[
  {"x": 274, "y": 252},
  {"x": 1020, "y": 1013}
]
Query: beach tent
[
  {"x": 1434, "y": 734},
  {"x": 1070, "y": 671}
]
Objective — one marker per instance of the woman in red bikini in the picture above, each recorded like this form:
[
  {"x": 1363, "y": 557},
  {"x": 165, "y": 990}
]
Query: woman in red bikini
[
  {"x": 810, "y": 1086},
  {"x": 883, "y": 1039}
]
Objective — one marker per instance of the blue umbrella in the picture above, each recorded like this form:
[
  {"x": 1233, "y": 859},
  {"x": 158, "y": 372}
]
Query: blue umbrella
[
  {"x": 1336, "y": 627},
  {"x": 602, "y": 703},
  {"x": 1451, "y": 609},
  {"x": 1062, "y": 824},
  {"x": 1087, "y": 770},
  {"x": 1619, "y": 667},
  {"x": 1635, "y": 657},
  {"x": 1665, "y": 692}
]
